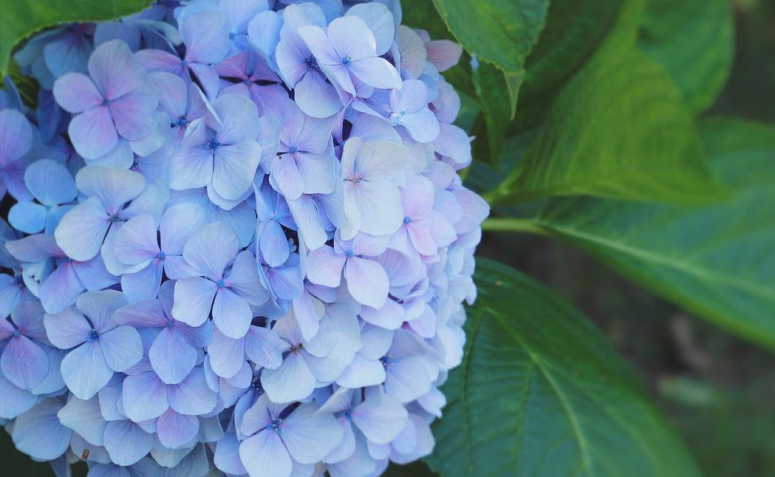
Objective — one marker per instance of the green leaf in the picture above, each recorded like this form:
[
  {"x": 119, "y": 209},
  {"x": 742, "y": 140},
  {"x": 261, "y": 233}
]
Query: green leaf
[
  {"x": 423, "y": 14},
  {"x": 501, "y": 32},
  {"x": 619, "y": 129},
  {"x": 694, "y": 41},
  {"x": 716, "y": 261},
  {"x": 541, "y": 393},
  {"x": 20, "y": 18},
  {"x": 574, "y": 29},
  {"x": 492, "y": 86}
]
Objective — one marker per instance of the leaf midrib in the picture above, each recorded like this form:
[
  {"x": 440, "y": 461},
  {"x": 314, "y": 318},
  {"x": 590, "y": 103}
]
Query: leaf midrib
[
  {"x": 701, "y": 273},
  {"x": 586, "y": 460}
]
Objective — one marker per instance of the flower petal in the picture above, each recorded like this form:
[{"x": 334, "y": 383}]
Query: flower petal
[
  {"x": 193, "y": 300},
  {"x": 178, "y": 224},
  {"x": 82, "y": 230},
  {"x": 122, "y": 347},
  {"x": 231, "y": 313},
  {"x": 127, "y": 442},
  {"x": 114, "y": 70},
  {"x": 76, "y": 93},
  {"x": 28, "y": 217},
  {"x": 376, "y": 72},
  {"x": 136, "y": 240},
  {"x": 85, "y": 418},
  {"x": 175, "y": 430},
  {"x": 292, "y": 381},
  {"x": 264, "y": 455},
  {"x": 67, "y": 329},
  {"x": 50, "y": 182},
  {"x": 15, "y": 400},
  {"x": 324, "y": 266},
  {"x": 227, "y": 355},
  {"x": 112, "y": 185},
  {"x": 171, "y": 357},
  {"x": 244, "y": 281},
  {"x": 380, "y": 420},
  {"x": 85, "y": 370},
  {"x": 264, "y": 347},
  {"x": 38, "y": 432},
  {"x": 143, "y": 314},
  {"x": 192, "y": 396},
  {"x": 211, "y": 249},
  {"x": 93, "y": 133},
  {"x": 24, "y": 363},
  {"x": 144, "y": 396},
  {"x": 310, "y": 435},
  {"x": 367, "y": 281}
]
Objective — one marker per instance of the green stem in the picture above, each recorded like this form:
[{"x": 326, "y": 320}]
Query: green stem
[{"x": 512, "y": 225}]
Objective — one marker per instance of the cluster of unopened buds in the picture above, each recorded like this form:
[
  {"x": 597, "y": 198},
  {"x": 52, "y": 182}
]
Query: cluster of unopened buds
[{"x": 237, "y": 241}]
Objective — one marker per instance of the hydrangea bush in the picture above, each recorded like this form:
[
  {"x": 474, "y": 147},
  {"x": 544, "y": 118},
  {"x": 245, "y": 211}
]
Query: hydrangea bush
[{"x": 239, "y": 242}]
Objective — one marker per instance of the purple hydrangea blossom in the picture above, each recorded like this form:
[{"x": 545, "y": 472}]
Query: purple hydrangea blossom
[
  {"x": 24, "y": 361},
  {"x": 260, "y": 265},
  {"x": 248, "y": 75},
  {"x": 305, "y": 162},
  {"x": 347, "y": 54},
  {"x": 146, "y": 396},
  {"x": 228, "y": 295},
  {"x": 63, "y": 279},
  {"x": 371, "y": 173},
  {"x": 222, "y": 155},
  {"x": 299, "y": 67},
  {"x": 99, "y": 346},
  {"x": 53, "y": 188},
  {"x": 366, "y": 280},
  {"x": 206, "y": 36},
  {"x": 280, "y": 443},
  {"x": 85, "y": 227},
  {"x": 113, "y": 101},
  {"x": 174, "y": 351},
  {"x": 156, "y": 250}
]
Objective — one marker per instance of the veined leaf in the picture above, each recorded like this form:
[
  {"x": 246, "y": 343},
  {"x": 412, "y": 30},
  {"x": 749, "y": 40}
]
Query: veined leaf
[
  {"x": 20, "y": 18},
  {"x": 540, "y": 393},
  {"x": 716, "y": 261},
  {"x": 619, "y": 129},
  {"x": 574, "y": 29},
  {"x": 694, "y": 41},
  {"x": 576, "y": 32}
]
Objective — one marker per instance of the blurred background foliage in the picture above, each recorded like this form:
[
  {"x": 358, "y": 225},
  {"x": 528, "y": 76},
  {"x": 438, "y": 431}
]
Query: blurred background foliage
[{"x": 716, "y": 389}]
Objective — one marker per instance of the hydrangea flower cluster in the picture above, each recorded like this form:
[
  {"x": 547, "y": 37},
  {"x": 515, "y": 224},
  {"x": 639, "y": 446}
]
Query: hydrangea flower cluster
[{"x": 238, "y": 242}]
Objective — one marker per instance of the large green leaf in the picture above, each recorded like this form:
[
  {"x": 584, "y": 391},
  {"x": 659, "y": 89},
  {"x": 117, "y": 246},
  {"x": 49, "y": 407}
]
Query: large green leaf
[
  {"x": 716, "y": 261},
  {"x": 694, "y": 41},
  {"x": 574, "y": 29},
  {"x": 541, "y": 393},
  {"x": 20, "y": 18},
  {"x": 619, "y": 129}
]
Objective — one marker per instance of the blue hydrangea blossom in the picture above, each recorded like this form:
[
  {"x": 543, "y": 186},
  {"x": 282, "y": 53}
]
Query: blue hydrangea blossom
[{"x": 238, "y": 243}]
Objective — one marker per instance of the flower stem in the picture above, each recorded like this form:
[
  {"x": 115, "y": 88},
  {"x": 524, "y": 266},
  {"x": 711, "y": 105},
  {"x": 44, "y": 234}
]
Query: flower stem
[{"x": 512, "y": 225}]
